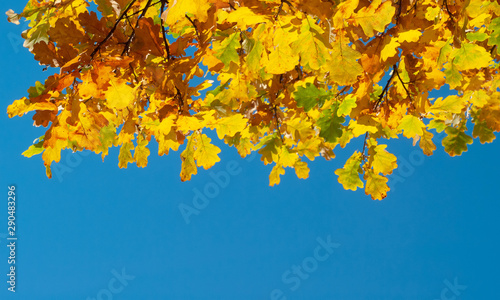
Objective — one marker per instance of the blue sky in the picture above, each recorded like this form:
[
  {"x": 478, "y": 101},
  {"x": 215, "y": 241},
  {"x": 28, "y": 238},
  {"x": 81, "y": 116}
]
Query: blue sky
[{"x": 95, "y": 231}]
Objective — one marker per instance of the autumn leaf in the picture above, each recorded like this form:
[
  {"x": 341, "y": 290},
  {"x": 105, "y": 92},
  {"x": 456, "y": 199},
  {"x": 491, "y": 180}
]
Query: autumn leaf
[
  {"x": 411, "y": 126},
  {"x": 382, "y": 161},
  {"x": 375, "y": 17},
  {"x": 330, "y": 124},
  {"x": 227, "y": 50},
  {"x": 456, "y": 141},
  {"x": 119, "y": 95},
  {"x": 426, "y": 143},
  {"x": 346, "y": 106},
  {"x": 471, "y": 56},
  {"x": 376, "y": 185},
  {"x": 35, "y": 149},
  {"x": 349, "y": 174},
  {"x": 344, "y": 68},
  {"x": 451, "y": 104},
  {"x": 206, "y": 154},
  {"x": 310, "y": 96}
]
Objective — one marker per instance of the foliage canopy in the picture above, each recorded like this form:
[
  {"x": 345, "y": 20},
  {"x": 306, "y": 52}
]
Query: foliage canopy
[{"x": 296, "y": 79}]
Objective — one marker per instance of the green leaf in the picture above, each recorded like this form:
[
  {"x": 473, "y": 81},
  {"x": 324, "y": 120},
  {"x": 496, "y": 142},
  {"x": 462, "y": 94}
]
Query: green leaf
[
  {"x": 330, "y": 125},
  {"x": 107, "y": 137},
  {"x": 105, "y": 7},
  {"x": 310, "y": 96},
  {"x": 35, "y": 148},
  {"x": 254, "y": 56},
  {"x": 494, "y": 39},
  {"x": 36, "y": 90},
  {"x": 38, "y": 35},
  {"x": 477, "y": 36},
  {"x": 471, "y": 56},
  {"x": 452, "y": 75},
  {"x": 484, "y": 133},
  {"x": 346, "y": 106},
  {"x": 456, "y": 141},
  {"x": 226, "y": 52}
]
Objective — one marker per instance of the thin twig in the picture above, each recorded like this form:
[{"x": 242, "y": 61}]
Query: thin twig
[
  {"x": 195, "y": 28},
  {"x": 180, "y": 101},
  {"x": 164, "y": 31},
  {"x": 364, "y": 146},
  {"x": 383, "y": 91},
  {"x": 402, "y": 83},
  {"x": 278, "y": 123},
  {"x": 279, "y": 10},
  {"x": 131, "y": 37},
  {"x": 445, "y": 2},
  {"x": 112, "y": 29}
]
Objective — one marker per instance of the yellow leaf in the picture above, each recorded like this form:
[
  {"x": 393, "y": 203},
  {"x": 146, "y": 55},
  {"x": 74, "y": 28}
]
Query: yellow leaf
[
  {"x": 125, "y": 156},
  {"x": 282, "y": 58},
  {"x": 383, "y": 161},
  {"x": 451, "y": 104},
  {"x": 178, "y": 9},
  {"x": 301, "y": 169},
  {"x": 376, "y": 185},
  {"x": 362, "y": 126},
  {"x": 188, "y": 166},
  {"x": 23, "y": 106},
  {"x": 141, "y": 152},
  {"x": 231, "y": 125},
  {"x": 390, "y": 50},
  {"x": 349, "y": 174},
  {"x": 313, "y": 50},
  {"x": 119, "y": 95},
  {"x": 274, "y": 176},
  {"x": 409, "y": 36},
  {"x": 411, "y": 126},
  {"x": 166, "y": 124},
  {"x": 206, "y": 154},
  {"x": 245, "y": 17},
  {"x": 189, "y": 123},
  {"x": 343, "y": 67},
  {"x": 426, "y": 143},
  {"x": 471, "y": 56},
  {"x": 375, "y": 17},
  {"x": 286, "y": 158}
]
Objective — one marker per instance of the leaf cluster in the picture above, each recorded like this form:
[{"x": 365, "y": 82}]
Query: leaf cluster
[{"x": 297, "y": 79}]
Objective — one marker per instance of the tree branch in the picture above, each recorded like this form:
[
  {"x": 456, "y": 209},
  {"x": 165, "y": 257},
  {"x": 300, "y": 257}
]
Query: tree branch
[
  {"x": 195, "y": 28},
  {"x": 124, "y": 13},
  {"x": 383, "y": 91},
  {"x": 402, "y": 83},
  {"x": 445, "y": 2},
  {"x": 364, "y": 146},
  {"x": 280, "y": 9},
  {"x": 131, "y": 37},
  {"x": 163, "y": 30}
]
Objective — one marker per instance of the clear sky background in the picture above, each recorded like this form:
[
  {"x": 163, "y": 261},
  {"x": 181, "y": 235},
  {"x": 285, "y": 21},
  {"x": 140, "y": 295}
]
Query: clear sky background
[{"x": 95, "y": 231}]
